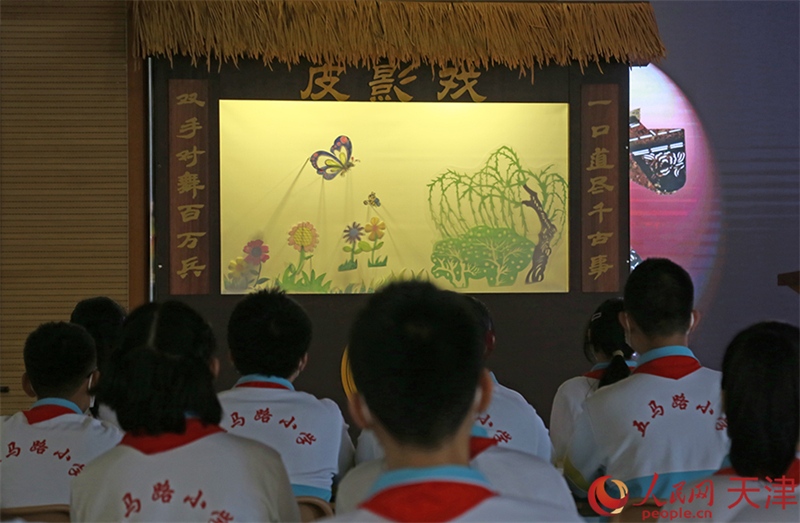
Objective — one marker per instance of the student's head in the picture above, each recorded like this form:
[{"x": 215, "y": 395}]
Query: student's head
[
  {"x": 60, "y": 362},
  {"x": 605, "y": 340},
  {"x": 103, "y": 318},
  {"x": 269, "y": 333},
  {"x": 762, "y": 399},
  {"x": 163, "y": 370},
  {"x": 659, "y": 299},
  {"x": 416, "y": 354},
  {"x": 485, "y": 321}
]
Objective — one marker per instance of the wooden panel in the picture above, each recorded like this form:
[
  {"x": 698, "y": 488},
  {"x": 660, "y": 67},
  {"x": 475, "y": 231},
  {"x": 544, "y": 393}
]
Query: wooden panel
[
  {"x": 188, "y": 187},
  {"x": 600, "y": 192},
  {"x": 63, "y": 167}
]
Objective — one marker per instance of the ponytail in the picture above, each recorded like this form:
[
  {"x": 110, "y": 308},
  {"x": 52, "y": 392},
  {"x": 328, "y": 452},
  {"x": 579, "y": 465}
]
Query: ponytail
[
  {"x": 606, "y": 335},
  {"x": 617, "y": 369}
]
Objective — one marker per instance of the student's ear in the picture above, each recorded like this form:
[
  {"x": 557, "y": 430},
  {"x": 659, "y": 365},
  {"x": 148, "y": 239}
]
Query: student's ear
[
  {"x": 483, "y": 395},
  {"x": 359, "y": 410},
  {"x": 623, "y": 320},
  {"x": 213, "y": 365},
  {"x": 694, "y": 321},
  {"x": 91, "y": 383},
  {"x": 26, "y": 385},
  {"x": 303, "y": 362},
  {"x": 489, "y": 343}
]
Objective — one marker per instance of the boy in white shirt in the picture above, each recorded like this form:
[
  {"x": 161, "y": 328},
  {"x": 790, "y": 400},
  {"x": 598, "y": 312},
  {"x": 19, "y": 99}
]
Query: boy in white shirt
[
  {"x": 509, "y": 420},
  {"x": 268, "y": 336},
  {"x": 44, "y": 448},
  {"x": 416, "y": 354},
  {"x": 664, "y": 423}
]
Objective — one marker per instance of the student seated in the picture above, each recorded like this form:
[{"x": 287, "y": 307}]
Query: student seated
[
  {"x": 604, "y": 345},
  {"x": 665, "y": 418},
  {"x": 416, "y": 354},
  {"x": 762, "y": 407},
  {"x": 102, "y": 317},
  {"x": 510, "y": 419},
  {"x": 45, "y": 447},
  {"x": 268, "y": 337},
  {"x": 175, "y": 462}
]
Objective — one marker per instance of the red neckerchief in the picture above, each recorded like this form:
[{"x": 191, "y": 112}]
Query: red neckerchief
[
  {"x": 673, "y": 367},
  {"x": 793, "y": 472},
  {"x": 598, "y": 373},
  {"x": 432, "y": 501},
  {"x": 146, "y": 444},
  {"x": 262, "y": 385},
  {"x": 46, "y": 412},
  {"x": 478, "y": 444}
]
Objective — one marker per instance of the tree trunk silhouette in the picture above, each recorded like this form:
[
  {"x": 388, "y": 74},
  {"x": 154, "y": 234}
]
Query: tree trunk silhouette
[{"x": 541, "y": 253}]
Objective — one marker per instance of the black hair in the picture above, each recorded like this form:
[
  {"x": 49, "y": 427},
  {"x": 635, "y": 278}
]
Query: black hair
[
  {"x": 58, "y": 357},
  {"x": 481, "y": 311},
  {"x": 103, "y": 318},
  {"x": 268, "y": 333},
  {"x": 605, "y": 334},
  {"x": 659, "y": 296},
  {"x": 762, "y": 399},
  {"x": 160, "y": 372},
  {"x": 416, "y": 354}
]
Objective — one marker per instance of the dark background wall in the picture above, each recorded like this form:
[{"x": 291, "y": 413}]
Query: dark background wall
[{"x": 737, "y": 62}]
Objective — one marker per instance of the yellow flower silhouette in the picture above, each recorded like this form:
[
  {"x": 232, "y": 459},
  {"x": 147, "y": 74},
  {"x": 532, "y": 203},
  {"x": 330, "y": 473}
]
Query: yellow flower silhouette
[
  {"x": 304, "y": 237},
  {"x": 237, "y": 268},
  {"x": 375, "y": 228}
]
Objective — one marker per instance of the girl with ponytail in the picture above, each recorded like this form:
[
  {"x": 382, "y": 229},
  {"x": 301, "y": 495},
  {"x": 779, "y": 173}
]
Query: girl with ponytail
[
  {"x": 605, "y": 347},
  {"x": 175, "y": 462}
]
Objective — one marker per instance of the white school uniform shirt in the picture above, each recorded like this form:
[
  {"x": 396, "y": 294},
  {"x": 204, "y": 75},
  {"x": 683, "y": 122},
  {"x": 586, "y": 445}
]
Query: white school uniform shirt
[
  {"x": 509, "y": 472},
  {"x": 44, "y": 448},
  {"x": 203, "y": 474},
  {"x": 309, "y": 433},
  {"x": 665, "y": 419},
  {"x": 730, "y": 497},
  {"x": 107, "y": 414},
  {"x": 448, "y": 493},
  {"x": 568, "y": 404},
  {"x": 510, "y": 420}
]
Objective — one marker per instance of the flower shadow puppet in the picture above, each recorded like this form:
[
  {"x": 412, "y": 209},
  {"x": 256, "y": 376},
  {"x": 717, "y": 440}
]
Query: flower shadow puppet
[
  {"x": 352, "y": 234},
  {"x": 376, "y": 229},
  {"x": 244, "y": 273},
  {"x": 304, "y": 238}
]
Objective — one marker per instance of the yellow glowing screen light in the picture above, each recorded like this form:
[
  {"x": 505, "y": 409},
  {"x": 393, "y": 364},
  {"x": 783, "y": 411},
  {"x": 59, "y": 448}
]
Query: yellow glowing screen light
[{"x": 457, "y": 193}]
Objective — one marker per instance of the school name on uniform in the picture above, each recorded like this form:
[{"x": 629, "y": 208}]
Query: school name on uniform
[
  {"x": 40, "y": 448},
  {"x": 163, "y": 493}
]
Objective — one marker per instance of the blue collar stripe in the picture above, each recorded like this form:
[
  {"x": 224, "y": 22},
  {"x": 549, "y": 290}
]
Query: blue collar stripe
[
  {"x": 479, "y": 431},
  {"x": 266, "y": 379},
  {"x": 672, "y": 350},
  {"x": 452, "y": 473},
  {"x": 305, "y": 490},
  {"x": 61, "y": 402}
]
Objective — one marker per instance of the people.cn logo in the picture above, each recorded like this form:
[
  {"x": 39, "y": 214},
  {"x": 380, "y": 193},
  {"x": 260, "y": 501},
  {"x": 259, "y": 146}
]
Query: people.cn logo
[{"x": 601, "y": 502}]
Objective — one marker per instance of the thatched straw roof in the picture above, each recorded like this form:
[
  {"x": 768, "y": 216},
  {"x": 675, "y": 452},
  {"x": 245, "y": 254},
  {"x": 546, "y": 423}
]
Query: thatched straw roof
[{"x": 361, "y": 32}]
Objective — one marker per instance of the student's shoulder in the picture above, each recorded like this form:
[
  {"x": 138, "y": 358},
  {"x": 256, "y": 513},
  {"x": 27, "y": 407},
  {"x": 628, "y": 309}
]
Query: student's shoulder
[
  {"x": 576, "y": 385},
  {"x": 310, "y": 401},
  {"x": 508, "y": 508},
  {"x": 509, "y": 396}
]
